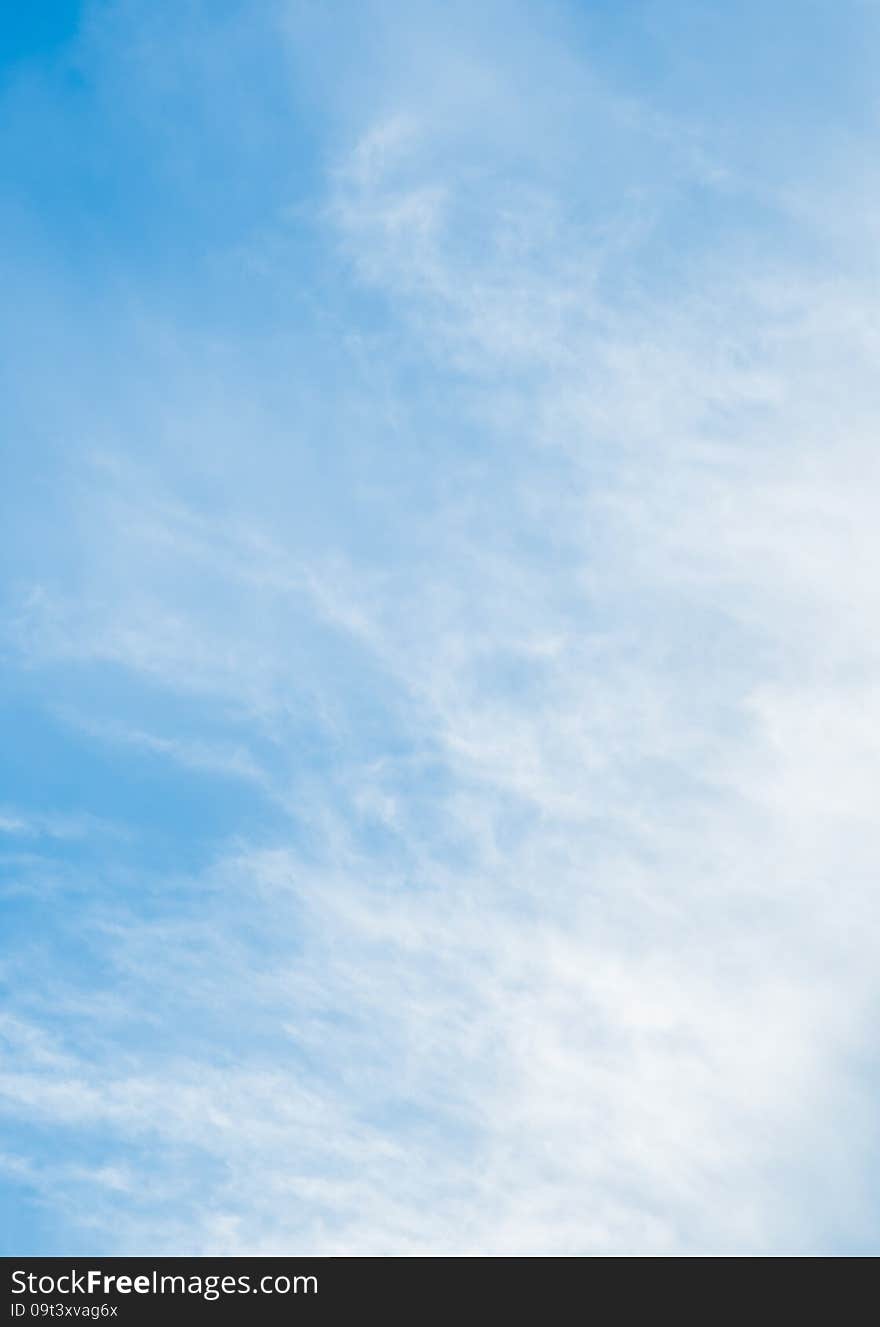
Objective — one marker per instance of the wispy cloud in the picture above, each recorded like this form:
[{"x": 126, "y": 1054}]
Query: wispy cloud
[{"x": 539, "y": 610}]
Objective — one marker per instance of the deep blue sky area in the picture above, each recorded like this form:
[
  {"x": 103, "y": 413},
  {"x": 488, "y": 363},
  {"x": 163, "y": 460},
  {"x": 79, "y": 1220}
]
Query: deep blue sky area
[{"x": 37, "y": 32}]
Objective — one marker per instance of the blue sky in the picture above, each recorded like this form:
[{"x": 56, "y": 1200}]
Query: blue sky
[{"x": 439, "y": 548}]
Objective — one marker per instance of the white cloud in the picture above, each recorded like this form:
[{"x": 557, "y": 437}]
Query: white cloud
[{"x": 569, "y": 946}]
